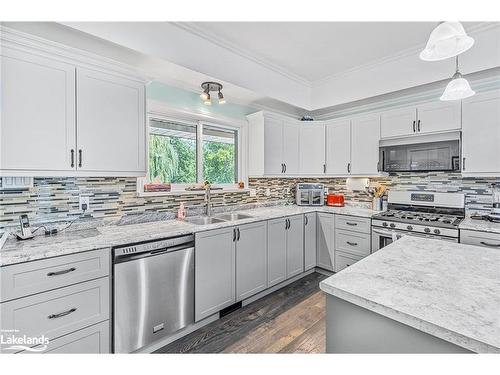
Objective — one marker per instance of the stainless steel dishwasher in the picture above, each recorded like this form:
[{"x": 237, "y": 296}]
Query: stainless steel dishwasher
[{"x": 153, "y": 286}]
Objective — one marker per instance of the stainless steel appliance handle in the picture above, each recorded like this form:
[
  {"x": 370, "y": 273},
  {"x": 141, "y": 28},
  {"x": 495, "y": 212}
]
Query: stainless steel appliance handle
[
  {"x": 489, "y": 244},
  {"x": 60, "y": 315},
  {"x": 388, "y": 234}
]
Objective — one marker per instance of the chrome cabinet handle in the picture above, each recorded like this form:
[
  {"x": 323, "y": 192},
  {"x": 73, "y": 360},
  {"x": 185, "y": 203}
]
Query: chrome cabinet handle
[
  {"x": 418, "y": 125},
  {"x": 352, "y": 224},
  {"x": 64, "y": 313},
  {"x": 57, "y": 273},
  {"x": 489, "y": 244},
  {"x": 72, "y": 158},
  {"x": 352, "y": 243},
  {"x": 413, "y": 126},
  {"x": 80, "y": 158}
]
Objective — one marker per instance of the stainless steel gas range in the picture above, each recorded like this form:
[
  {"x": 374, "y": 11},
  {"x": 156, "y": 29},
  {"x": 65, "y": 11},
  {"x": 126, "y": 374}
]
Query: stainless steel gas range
[{"x": 420, "y": 214}]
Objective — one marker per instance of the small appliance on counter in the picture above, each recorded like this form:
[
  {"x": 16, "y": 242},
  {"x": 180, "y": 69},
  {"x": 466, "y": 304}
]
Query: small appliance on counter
[
  {"x": 310, "y": 194},
  {"x": 335, "y": 200}
]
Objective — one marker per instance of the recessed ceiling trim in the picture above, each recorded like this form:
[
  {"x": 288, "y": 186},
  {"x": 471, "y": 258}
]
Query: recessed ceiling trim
[
  {"x": 483, "y": 26},
  {"x": 194, "y": 29}
]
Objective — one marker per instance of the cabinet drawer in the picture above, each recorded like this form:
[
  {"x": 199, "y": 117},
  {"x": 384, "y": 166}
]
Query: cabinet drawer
[
  {"x": 343, "y": 260},
  {"x": 470, "y": 237},
  {"x": 352, "y": 223},
  {"x": 23, "y": 279},
  {"x": 58, "y": 312},
  {"x": 352, "y": 242},
  {"x": 91, "y": 340}
]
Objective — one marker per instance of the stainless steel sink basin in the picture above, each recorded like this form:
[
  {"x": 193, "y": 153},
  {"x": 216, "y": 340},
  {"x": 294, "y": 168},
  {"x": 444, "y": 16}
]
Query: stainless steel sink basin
[
  {"x": 233, "y": 217},
  {"x": 203, "y": 220}
]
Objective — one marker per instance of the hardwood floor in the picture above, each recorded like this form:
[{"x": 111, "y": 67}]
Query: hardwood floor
[{"x": 290, "y": 320}]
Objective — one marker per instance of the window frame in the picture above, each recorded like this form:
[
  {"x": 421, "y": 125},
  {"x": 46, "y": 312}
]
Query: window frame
[{"x": 198, "y": 120}]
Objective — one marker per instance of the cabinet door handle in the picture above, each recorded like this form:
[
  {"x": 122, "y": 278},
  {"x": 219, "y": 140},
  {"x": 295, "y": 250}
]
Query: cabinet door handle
[
  {"x": 306, "y": 220},
  {"x": 281, "y": 167},
  {"x": 352, "y": 243},
  {"x": 285, "y": 166},
  {"x": 463, "y": 164},
  {"x": 238, "y": 229},
  {"x": 352, "y": 224},
  {"x": 414, "y": 129},
  {"x": 418, "y": 125},
  {"x": 489, "y": 244},
  {"x": 234, "y": 234},
  {"x": 378, "y": 166},
  {"x": 324, "y": 168},
  {"x": 57, "y": 273},
  {"x": 72, "y": 158},
  {"x": 349, "y": 167},
  {"x": 80, "y": 158},
  {"x": 64, "y": 313}
]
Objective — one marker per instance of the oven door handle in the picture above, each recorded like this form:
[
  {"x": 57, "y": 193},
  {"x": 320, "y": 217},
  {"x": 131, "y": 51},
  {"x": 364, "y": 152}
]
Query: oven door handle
[{"x": 388, "y": 234}]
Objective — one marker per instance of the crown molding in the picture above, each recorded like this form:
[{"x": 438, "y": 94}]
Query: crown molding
[
  {"x": 30, "y": 43},
  {"x": 194, "y": 29},
  {"x": 481, "y": 27}
]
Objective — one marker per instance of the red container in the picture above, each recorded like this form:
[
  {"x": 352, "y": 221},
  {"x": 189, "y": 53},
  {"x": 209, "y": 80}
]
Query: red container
[{"x": 335, "y": 200}]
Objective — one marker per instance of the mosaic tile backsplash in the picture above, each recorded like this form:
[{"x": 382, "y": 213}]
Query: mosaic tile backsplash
[{"x": 56, "y": 199}]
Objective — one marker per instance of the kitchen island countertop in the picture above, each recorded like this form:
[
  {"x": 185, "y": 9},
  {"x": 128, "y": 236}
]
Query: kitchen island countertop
[{"x": 448, "y": 290}]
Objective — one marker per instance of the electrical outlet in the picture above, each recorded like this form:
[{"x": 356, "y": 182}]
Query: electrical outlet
[{"x": 84, "y": 201}]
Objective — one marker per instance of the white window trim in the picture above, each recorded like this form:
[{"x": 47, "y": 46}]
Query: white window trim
[{"x": 161, "y": 111}]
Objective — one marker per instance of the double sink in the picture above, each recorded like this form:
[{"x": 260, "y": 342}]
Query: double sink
[{"x": 204, "y": 220}]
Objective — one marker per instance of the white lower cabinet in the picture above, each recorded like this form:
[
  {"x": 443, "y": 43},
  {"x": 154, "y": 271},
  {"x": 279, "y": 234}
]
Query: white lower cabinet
[
  {"x": 295, "y": 246},
  {"x": 326, "y": 237},
  {"x": 251, "y": 259},
  {"x": 352, "y": 240},
  {"x": 310, "y": 241},
  {"x": 215, "y": 286}
]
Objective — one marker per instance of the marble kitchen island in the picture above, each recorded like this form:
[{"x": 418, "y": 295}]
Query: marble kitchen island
[{"x": 416, "y": 296}]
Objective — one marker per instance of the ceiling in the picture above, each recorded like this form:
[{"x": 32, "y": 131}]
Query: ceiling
[{"x": 316, "y": 50}]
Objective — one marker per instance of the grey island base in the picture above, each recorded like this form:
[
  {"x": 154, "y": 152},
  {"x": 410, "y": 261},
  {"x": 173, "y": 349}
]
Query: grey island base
[{"x": 416, "y": 296}]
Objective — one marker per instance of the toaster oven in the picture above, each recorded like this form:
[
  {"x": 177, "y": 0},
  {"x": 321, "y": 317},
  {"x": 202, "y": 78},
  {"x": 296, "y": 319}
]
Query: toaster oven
[{"x": 310, "y": 194}]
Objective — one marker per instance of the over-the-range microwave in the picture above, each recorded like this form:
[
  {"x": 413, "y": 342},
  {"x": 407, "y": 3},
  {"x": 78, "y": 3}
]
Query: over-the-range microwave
[{"x": 421, "y": 157}]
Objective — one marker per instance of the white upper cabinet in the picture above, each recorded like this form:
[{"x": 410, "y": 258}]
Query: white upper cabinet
[
  {"x": 273, "y": 146},
  {"x": 364, "y": 145},
  {"x": 338, "y": 147},
  {"x": 432, "y": 117},
  {"x": 38, "y": 114},
  {"x": 312, "y": 149},
  {"x": 481, "y": 134},
  {"x": 436, "y": 117},
  {"x": 398, "y": 122},
  {"x": 111, "y": 128},
  {"x": 61, "y": 119},
  {"x": 291, "y": 147}
]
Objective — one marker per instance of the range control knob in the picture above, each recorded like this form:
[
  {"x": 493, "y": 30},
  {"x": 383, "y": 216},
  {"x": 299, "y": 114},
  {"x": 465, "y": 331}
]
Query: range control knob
[
  {"x": 392, "y": 225},
  {"x": 409, "y": 227},
  {"x": 437, "y": 231},
  {"x": 427, "y": 230},
  {"x": 384, "y": 224}
]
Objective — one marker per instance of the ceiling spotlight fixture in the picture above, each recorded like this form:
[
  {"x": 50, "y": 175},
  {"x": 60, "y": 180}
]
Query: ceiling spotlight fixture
[
  {"x": 447, "y": 40},
  {"x": 211, "y": 86},
  {"x": 458, "y": 88}
]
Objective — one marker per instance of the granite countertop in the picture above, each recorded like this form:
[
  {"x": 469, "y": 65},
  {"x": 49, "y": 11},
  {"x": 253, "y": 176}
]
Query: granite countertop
[
  {"x": 445, "y": 289},
  {"x": 480, "y": 225},
  {"x": 75, "y": 241}
]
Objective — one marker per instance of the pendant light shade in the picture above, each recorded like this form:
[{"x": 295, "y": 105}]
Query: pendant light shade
[
  {"x": 458, "y": 88},
  {"x": 447, "y": 40}
]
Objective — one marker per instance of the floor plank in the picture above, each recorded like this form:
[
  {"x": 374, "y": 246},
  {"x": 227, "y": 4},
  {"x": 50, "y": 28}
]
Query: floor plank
[{"x": 288, "y": 320}]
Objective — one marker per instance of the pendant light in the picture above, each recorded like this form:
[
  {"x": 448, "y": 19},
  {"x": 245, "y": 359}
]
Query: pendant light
[
  {"x": 447, "y": 40},
  {"x": 458, "y": 88}
]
